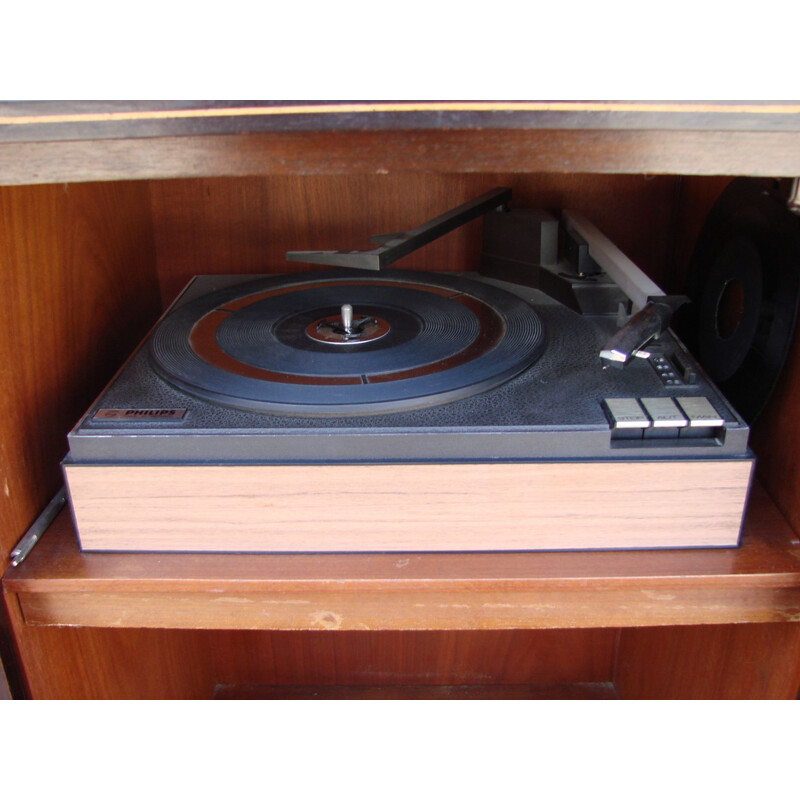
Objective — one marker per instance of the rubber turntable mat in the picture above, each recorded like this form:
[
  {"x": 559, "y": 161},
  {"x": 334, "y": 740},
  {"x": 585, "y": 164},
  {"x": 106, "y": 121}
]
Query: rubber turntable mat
[{"x": 446, "y": 338}]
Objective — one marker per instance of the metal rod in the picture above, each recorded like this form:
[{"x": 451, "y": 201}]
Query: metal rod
[
  {"x": 794, "y": 196},
  {"x": 36, "y": 531},
  {"x": 616, "y": 264},
  {"x": 347, "y": 317}
]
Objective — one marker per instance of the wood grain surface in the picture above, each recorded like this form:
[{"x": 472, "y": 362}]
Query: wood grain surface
[
  {"x": 694, "y": 200},
  {"x": 729, "y": 662},
  {"x": 397, "y": 658},
  {"x": 112, "y": 664},
  {"x": 628, "y": 152},
  {"x": 102, "y": 663},
  {"x": 416, "y": 610},
  {"x": 78, "y": 281},
  {"x": 409, "y": 507}
]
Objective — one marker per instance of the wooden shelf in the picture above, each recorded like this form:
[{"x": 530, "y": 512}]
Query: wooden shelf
[{"x": 758, "y": 582}]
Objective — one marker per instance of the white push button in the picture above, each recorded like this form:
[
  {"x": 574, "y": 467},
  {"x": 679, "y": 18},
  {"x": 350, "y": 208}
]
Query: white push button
[
  {"x": 626, "y": 413},
  {"x": 664, "y": 412},
  {"x": 699, "y": 412}
]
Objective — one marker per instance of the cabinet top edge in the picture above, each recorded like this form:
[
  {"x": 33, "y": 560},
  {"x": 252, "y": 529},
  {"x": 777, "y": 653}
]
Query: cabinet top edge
[{"x": 59, "y": 120}]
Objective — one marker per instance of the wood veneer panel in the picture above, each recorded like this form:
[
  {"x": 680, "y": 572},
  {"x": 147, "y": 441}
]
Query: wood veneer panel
[
  {"x": 480, "y": 610},
  {"x": 695, "y": 199},
  {"x": 397, "y": 658},
  {"x": 77, "y": 277},
  {"x": 711, "y": 662},
  {"x": 246, "y": 225},
  {"x": 409, "y": 507},
  {"x": 516, "y": 151},
  {"x": 111, "y": 664}
]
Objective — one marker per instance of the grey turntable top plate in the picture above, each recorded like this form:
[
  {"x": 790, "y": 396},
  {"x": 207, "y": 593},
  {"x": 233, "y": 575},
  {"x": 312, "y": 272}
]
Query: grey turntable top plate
[{"x": 552, "y": 408}]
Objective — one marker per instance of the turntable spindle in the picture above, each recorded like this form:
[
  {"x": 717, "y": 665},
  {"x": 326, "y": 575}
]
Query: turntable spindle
[
  {"x": 347, "y": 328},
  {"x": 347, "y": 318}
]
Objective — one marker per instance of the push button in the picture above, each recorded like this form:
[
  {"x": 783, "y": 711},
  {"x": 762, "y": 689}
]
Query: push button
[
  {"x": 666, "y": 417},
  {"x": 627, "y": 418},
  {"x": 703, "y": 417},
  {"x": 664, "y": 413}
]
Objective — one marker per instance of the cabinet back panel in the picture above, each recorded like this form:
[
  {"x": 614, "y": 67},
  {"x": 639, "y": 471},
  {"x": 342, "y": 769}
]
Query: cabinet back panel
[
  {"x": 709, "y": 662},
  {"x": 395, "y": 658},
  {"x": 246, "y": 225}
]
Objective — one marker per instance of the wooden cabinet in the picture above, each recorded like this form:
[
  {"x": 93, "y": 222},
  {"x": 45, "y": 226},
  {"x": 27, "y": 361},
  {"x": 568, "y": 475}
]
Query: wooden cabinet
[{"x": 104, "y": 216}]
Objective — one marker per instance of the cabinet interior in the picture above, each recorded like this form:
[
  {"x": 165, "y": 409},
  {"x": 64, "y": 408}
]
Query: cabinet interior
[{"x": 87, "y": 268}]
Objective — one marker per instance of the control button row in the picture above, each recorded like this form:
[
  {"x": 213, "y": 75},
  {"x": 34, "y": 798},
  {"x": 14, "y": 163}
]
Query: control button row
[{"x": 630, "y": 413}]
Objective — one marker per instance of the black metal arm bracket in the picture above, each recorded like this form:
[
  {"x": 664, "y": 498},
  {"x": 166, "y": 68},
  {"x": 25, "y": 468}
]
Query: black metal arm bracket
[{"x": 396, "y": 245}]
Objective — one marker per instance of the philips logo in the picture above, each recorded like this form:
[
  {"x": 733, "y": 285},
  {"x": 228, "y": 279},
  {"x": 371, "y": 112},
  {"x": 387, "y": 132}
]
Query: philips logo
[{"x": 140, "y": 413}]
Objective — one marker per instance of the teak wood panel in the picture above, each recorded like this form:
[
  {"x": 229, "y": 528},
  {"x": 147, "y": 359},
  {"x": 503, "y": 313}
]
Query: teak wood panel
[
  {"x": 103, "y": 663},
  {"x": 409, "y": 507},
  {"x": 732, "y": 662},
  {"x": 415, "y": 610},
  {"x": 372, "y": 658},
  {"x": 112, "y": 664},
  {"x": 79, "y": 289}
]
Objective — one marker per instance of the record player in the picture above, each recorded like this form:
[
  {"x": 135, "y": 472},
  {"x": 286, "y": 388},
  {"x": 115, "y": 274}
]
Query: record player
[{"x": 542, "y": 404}]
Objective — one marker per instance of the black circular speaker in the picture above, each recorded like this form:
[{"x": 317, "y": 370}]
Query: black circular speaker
[{"x": 744, "y": 283}]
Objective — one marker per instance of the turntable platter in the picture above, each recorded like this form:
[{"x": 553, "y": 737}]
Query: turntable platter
[{"x": 342, "y": 342}]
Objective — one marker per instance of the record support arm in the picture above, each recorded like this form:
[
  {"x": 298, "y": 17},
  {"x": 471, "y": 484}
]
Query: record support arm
[
  {"x": 652, "y": 308},
  {"x": 396, "y": 245}
]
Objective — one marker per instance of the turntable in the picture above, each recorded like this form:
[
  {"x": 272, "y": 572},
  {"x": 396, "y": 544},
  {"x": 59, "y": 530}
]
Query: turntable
[{"x": 543, "y": 404}]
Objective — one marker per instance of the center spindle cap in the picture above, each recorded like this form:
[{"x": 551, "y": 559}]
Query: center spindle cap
[{"x": 347, "y": 328}]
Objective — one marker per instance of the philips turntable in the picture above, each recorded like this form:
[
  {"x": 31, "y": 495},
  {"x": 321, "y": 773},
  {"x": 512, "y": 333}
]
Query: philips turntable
[{"x": 542, "y": 404}]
